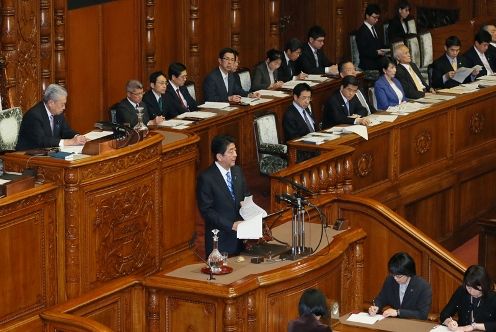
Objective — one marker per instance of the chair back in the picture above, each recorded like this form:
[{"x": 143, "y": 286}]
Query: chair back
[
  {"x": 266, "y": 129},
  {"x": 190, "y": 85},
  {"x": 372, "y": 97},
  {"x": 112, "y": 113},
  {"x": 10, "y": 124},
  {"x": 413, "y": 45},
  {"x": 245, "y": 78},
  {"x": 385, "y": 26},
  {"x": 355, "y": 55},
  {"x": 412, "y": 26},
  {"x": 429, "y": 74},
  {"x": 426, "y": 49}
]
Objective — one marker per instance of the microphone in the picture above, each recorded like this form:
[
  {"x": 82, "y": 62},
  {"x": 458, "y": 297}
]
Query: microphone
[
  {"x": 295, "y": 185},
  {"x": 290, "y": 199}
]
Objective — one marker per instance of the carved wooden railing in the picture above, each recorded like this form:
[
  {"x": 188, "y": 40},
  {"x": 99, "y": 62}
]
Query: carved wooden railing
[{"x": 329, "y": 173}]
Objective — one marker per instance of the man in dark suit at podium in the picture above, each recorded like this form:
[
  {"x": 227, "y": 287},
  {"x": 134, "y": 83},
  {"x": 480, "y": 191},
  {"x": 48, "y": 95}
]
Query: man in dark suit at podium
[
  {"x": 44, "y": 124},
  {"x": 154, "y": 98},
  {"x": 219, "y": 191},
  {"x": 177, "y": 98}
]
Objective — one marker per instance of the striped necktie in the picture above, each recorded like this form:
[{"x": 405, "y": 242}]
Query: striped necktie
[{"x": 229, "y": 184}]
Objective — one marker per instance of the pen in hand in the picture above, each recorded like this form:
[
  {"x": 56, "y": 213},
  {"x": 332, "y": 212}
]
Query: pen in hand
[{"x": 373, "y": 309}]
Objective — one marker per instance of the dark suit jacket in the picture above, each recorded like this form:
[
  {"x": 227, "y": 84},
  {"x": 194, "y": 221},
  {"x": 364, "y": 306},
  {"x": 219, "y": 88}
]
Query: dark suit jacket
[
  {"x": 416, "y": 301},
  {"x": 473, "y": 59},
  {"x": 367, "y": 48},
  {"x": 442, "y": 66},
  {"x": 307, "y": 323},
  {"x": 306, "y": 61},
  {"x": 217, "y": 207},
  {"x": 385, "y": 94},
  {"x": 173, "y": 105},
  {"x": 484, "y": 312},
  {"x": 152, "y": 105},
  {"x": 335, "y": 111},
  {"x": 287, "y": 70},
  {"x": 214, "y": 88},
  {"x": 35, "y": 131},
  {"x": 294, "y": 125},
  {"x": 407, "y": 82},
  {"x": 126, "y": 113},
  {"x": 395, "y": 30},
  {"x": 260, "y": 79}
]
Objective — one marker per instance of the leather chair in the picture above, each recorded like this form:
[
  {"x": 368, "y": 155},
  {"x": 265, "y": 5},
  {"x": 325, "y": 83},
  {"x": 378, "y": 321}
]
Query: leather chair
[
  {"x": 10, "y": 124},
  {"x": 245, "y": 78},
  {"x": 190, "y": 85},
  {"x": 372, "y": 97},
  {"x": 271, "y": 155},
  {"x": 426, "y": 49}
]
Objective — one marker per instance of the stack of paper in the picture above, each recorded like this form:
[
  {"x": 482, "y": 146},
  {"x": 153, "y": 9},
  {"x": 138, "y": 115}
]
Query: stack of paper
[
  {"x": 175, "y": 123},
  {"x": 252, "y": 214},
  {"x": 196, "y": 115},
  {"x": 405, "y": 108},
  {"x": 292, "y": 84},
  {"x": 364, "y": 318},
  {"x": 213, "y": 104},
  {"x": 272, "y": 93},
  {"x": 461, "y": 89},
  {"x": 317, "y": 137},
  {"x": 318, "y": 78},
  {"x": 97, "y": 134},
  {"x": 254, "y": 101},
  {"x": 380, "y": 118}
]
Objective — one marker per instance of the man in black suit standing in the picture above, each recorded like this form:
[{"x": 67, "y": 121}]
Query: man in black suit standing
[
  {"x": 289, "y": 68},
  {"x": 298, "y": 119},
  {"x": 370, "y": 45},
  {"x": 480, "y": 54},
  {"x": 220, "y": 85},
  {"x": 312, "y": 59},
  {"x": 44, "y": 124},
  {"x": 343, "y": 107},
  {"x": 219, "y": 191},
  {"x": 444, "y": 68},
  {"x": 409, "y": 75},
  {"x": 177, "y": 97},
  {"x": 154, "y": 98}
]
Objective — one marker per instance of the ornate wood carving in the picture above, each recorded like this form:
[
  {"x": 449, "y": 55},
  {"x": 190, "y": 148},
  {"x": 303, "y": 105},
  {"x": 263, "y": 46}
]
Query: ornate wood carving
[
  {"x": 477, "y": 121},
  {"x": 178, "y": 152},
  {"x": 423, "y": 142},
  {"x": 364, "y": 164},
  {"x": 194, "y": 47},
  {"x": 150, "y": 37},
  {"x": 340, "y": 34},
  {"x": 352, "y": 277},
  {"x": 9, "y": 46},
  {"x": 72, "y": 241},
  {"x": 45, "y": 43},
  {"x": 274, "y": 33},
  {"x": 123, "y": 226},
  {"x": 153, "y": 311},
  {"x": 235, "y": 24},
  {"x": 59, "y": 50},
  {"x": 252, "y": 311},
  {"x": 230, "y": 316}
]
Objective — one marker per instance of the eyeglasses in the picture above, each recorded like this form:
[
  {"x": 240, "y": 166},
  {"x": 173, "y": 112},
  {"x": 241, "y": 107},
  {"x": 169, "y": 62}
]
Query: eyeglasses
[
  {"x": 229, "y": 59},
  {"x": 161, "y": 82},
  {"x": 375, "y": 17},
  {"x": 136, "y": 93},
  {"x": 398, "y": 276}
]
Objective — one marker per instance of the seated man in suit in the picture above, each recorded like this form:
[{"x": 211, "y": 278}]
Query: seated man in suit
[
  {"x": 220, "y": 85},
  {"x": 177, "y": 99},
  {"x": 298, "y": 119},
  {"x": 289, "y": 69},
  {"x": 443, "y": 68},
  {"x": 127, "y": 108},
  {"x": 312, "y": 59},
  {"x": 343, "y": 107},
  {"x": 409, "y": 75},
  {"x": 266, "y": 74},
  {"x": 44, "y": 125},
  {"x": 219, "y": 191},
  {"x": 154, "y": 98},
  {"x": 370, "y": 46},
  {"x": 492, "y": 45},
  {"x": 480, "y": 55},
  {"x": 348, "y": 68}
]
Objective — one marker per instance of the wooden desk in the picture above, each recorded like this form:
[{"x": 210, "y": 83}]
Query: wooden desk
[
  {"x": 388, "y": 324},
  {"x": 434, "y": 167}
]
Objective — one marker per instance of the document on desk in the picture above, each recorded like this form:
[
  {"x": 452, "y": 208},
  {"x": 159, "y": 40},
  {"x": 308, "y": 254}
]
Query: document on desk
[
  {"x": 318, "y": 78},
  {"x": 357, "y": 129},
  {"x": 292, "y": 84},
  {"x": 364, "y": 318},
  {"x": 78, "y": 149},
  {"x": 197, "y": 115},
  {"x": 439, "y": 328},
  {"x": 382, "y": 117},
  {"x": 175, "y": 123},
  {"x": 273, "y": 93},
  {"x": 252, "y": 214},
  {"x": 462, "y": 73},
  {"x": 97, "y": 134},
  {"x": 254, "y": 101},
  {"x": 213, "y": 104}
]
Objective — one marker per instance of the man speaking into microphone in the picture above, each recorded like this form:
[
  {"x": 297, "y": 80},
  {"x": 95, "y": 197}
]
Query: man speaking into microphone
[{"x": 219, "y": 191}]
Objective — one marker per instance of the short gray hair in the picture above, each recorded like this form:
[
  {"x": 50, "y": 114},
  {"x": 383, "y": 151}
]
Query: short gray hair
[
  {"x": 397, "y": 49},
  {"x": 54, "y": 92},
  {"x": 133, "y": 85}
]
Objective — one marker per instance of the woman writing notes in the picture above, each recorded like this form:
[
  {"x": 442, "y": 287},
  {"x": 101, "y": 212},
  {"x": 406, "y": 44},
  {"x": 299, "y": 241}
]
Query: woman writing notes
[
  {"x": 474, "y": 302},
  {"x": 404, "y": 293}
]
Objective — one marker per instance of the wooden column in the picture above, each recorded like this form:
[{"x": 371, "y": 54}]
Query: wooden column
[
  {"x": 153, "y": 311},
  {"x": 45, "y": 44},
  {"x": 235, "y": 24},
  {"x": 9, "y": 47},
  {"x": 341, "y": 37},
  {"x": 60, "y": 15},
  {"x": 274, "y": 33},
  {"x": 194, "y": 48},
  {"x": 150, "y": 37}
]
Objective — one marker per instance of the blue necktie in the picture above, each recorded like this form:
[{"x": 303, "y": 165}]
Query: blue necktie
[{"x": 229, "y": 184}]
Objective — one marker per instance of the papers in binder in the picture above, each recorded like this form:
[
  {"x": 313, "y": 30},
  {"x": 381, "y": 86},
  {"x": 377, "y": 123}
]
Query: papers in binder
[
  {"x": 252, "y": 214},
  {"x": 462, "y": 73},
  {"x": 364, "y": 318}
]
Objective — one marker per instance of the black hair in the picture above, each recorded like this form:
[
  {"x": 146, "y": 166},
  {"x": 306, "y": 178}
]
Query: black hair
[
  {"x": 483, "y": 37},
  {"x": 402, "y": 4},
  {"x": 300, "y": 87},
  {"x": 155, "y": 75},
  {"x": 273, "y": 55},
  {"x": 371, "y": 9},
  {"x": 225, "y": 50},
  {"x": 175, "y": 69},
  {"x": 313, "y": 301},
  {"x": 349, "y": 80},
  {"x": 452, "y": 41},
  {"x": 341, "y": 65},
  {"x": 477, "y": 277},
  {"x": 220, "y": 143},
  {"x": 402, "y": 264},
  {"x": 293, "y": 44},
  {"x": 316, "y": 32},
  {"x": 386, "y": 61}
]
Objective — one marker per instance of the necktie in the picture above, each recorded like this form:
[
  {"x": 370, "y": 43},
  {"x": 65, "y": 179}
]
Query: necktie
[
  {"x": 454, "y": 64},
  {"x": 307, "y": 120},
  {"x": 160, "y": 103},
  {"x": 229, "y": 184},
  {"x": 316, "y": 58},
  {"x": 50, "y": 117},
  {"x": 347, "y": 104},
  {"x": 290, "y": 66},
  {"x": 181, "y": 99},
  {"x": 226, "y": 83},
  {"x": 418, "y": 84},
  {"x": 374, "y": 32}
]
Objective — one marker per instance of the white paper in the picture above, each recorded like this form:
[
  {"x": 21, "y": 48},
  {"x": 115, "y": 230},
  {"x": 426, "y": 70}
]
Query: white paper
[
  {"x": 2, "y": 181},
  {"x": 292, "y": 84},
  {"x": 249, "y": 209},
  {"x": 273, "y": 93},
  {"x": 318, "y": 78},
  {"x": 438, "y": 96},
  {"x": 72, "y": 149},
  {"x": 251, "y": 227},
  {"x": 488, "y": 78},
  {"x": 358, "y": 129},
  {"x": 213, "y": 104},
  {"x": 256, "y": 101},
  {"x": 382, "y": 117},
  {"x": 97, "y": 134},
  {"x": 196, "y": 115},
  {"x": 459, "y": 90},
  {"x": 364, "y": 318},
  {"x": 175, "y": 123},
  {"x": 462, "y": 73},
  {"x": 439, "y": 328}
]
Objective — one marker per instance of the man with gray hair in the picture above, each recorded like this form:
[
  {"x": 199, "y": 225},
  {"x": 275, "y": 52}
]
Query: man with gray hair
[
  {"x": 127, "y": 109},
  {"x": 44, "y": 124}
]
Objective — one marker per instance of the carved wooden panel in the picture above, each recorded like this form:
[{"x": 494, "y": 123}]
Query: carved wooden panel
[
  {"x": 190, "y": 314},
  {"x": 477, "y": 194}
]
